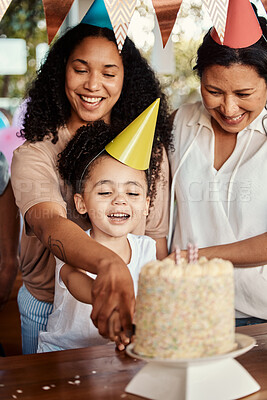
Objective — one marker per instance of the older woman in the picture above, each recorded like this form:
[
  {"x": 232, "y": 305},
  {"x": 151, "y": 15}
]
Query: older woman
[
  {"x": 83, "y": 79},
  {"x": 219, "y": 167}
]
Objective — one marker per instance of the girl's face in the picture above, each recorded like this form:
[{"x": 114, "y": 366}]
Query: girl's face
[
  {"x": 94, "y": 80},
  {"x": 234, "y": 96},
  {"x": 115, "y": 198}
]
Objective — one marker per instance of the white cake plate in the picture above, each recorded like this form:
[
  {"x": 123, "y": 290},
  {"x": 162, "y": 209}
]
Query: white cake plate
[{"x": 218, "y": 377}]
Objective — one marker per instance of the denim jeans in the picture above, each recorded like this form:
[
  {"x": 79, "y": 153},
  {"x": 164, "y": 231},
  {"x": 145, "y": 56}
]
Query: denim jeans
[
  {"x": 33, "y": 317},
  {"x": 249, "y": 321}
]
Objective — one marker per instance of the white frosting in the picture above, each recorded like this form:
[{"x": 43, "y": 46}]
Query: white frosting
[{"x": 185, "y": 310}]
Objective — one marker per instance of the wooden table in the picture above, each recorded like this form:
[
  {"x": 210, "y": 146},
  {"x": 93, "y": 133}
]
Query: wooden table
[{"x": 101, "y": 372}]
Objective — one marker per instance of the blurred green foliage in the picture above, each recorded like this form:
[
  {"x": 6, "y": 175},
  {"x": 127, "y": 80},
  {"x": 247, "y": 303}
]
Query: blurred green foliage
[
  {"x": 183, "y": 86},
  {"x": 23, "y": 19}
]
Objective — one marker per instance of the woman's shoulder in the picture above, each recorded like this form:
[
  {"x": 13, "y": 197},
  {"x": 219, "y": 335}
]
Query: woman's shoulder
[
  {"x": 186, "y": 110},
  {"x": 41, "y": 149}
]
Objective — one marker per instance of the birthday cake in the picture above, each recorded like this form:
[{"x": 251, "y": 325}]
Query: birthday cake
[{"x": 185, "y": 310}]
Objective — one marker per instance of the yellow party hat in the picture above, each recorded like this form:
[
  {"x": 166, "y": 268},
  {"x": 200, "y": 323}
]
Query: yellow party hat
[{"x": 133, "y": 145}]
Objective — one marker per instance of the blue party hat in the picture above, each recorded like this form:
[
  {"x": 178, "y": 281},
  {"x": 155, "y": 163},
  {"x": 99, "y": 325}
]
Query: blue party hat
[{"x": 97, "y": 15}]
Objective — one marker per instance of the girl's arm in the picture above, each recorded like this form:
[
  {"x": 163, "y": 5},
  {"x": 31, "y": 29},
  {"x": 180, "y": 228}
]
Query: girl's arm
[
  {"x": 78, "y": 283},
  {"x": 250, "y": 252}
]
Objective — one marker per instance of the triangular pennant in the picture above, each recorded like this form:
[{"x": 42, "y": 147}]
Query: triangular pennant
[
  {"x": 120, "y": 14},
  {"x": 264, "y": 4},
  {"x": 166, "y": 12},
  {"x": 4, "y": 4},
  {"x": 218, "y": 13},
  {"x": 242, "y": 27},
  {"x": 55, "y": 13},
  {"x": 97, "y": 15}
]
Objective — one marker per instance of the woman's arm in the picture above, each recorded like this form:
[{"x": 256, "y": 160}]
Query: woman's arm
[
  {"x": 9, "y": 243},
  {"x": 250, "y": 252},
  {"x": 162, "y": 249},
  {"x": 157, "y": 220},
  {"x": 113, "y": 287}
]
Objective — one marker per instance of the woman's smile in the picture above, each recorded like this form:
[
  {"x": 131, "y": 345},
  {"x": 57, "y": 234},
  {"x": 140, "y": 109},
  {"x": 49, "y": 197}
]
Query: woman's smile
[
  {"x": 232, "y": 121},
  {"x": 94, "y": 80},
  {"x": 234, "y": 96}
]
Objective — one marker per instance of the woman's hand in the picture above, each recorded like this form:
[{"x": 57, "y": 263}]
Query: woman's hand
[
  {"x": 115, "y": 333},
  {"x": 249, "y": 253},
  {"x": 113, "y": 290}
]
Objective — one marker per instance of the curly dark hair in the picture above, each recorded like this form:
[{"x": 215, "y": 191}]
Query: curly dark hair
[
  {"x": 48, "y": 108},
  {"x": 83, "y": 148}
]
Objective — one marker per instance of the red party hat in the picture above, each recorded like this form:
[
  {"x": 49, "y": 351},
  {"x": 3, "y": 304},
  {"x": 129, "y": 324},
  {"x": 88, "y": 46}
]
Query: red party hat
[{"x": 242, "y": 27}]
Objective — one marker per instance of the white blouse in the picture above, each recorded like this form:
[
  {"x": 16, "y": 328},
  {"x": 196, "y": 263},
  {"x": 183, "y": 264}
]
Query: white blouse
[{"x": 224, "y": 206}]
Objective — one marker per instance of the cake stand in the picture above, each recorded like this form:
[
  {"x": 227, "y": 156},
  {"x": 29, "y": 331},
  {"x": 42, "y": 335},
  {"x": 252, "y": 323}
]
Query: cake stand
[{"x": 218, "y": 377}]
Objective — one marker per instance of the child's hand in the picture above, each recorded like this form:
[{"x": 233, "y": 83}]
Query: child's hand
[{"x": 115, "y": 333}]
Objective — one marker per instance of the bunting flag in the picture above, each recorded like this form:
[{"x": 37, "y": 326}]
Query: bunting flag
[
  {"x": 166, "y": 11},
  {"x": 120, "y": 13},
  {"x": 55, "y": 13},
  {"x": 218, "y": 13},
  {"x": 242, "y": 27},
  {"x": 4, "y": 4},
  {"x": 97, "y": 15},
  {"x": 264, "y": 3}
]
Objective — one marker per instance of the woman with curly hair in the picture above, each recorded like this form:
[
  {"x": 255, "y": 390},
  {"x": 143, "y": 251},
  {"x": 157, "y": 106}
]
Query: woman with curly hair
[
  {"x": 115, "y": 197},
  {"x": 83, "y": 79}
]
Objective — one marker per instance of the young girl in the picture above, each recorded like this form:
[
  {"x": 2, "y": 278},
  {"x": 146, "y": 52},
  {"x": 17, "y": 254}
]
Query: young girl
[{"x": 115, "y": 197}]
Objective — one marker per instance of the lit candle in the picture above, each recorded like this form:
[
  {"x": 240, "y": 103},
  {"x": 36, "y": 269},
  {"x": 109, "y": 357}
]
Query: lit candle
[
  {"x": 177, "y": 255},
  {"x": 195, "y": 253},
  {"x": 190, "y": 253}
]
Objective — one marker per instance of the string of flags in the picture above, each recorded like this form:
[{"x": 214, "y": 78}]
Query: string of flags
[
  {"x": 218, "y": 14},
  {"x": 120, "y": 12}
]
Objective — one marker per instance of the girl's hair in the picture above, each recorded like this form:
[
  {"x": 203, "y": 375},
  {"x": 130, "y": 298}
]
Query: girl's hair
[
  {"x": 48, "y": 108},
  {"x": 76, "y": 161}
]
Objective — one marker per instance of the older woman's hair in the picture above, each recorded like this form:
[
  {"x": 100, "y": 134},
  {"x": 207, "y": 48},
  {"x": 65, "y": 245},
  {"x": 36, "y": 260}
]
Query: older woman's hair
[{"x": 211, "y": 53}]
